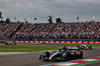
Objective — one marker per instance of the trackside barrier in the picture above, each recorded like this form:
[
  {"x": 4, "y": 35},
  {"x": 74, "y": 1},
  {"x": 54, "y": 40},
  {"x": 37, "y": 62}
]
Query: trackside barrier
[
  {"x": 91, "y": 42},
  {"x": 41, "y": 41},
  {"x": 46, "y": 41},
  {"x": 36, "y": 41},
  {"x": 68, "y": 41},
  {"x": 73, "y": 41},
  {"x": 17, "y": 41},
  {"x": 26, "y": 41},
  {"x": 62, "y": 41},
  {"x": 52, "y": 42},
  {"x": 97, "y": 42},
  {"x": 57, "y": 42},
  {"x": 31, "y": 41},
  {"x": 21, "y": 41},
  {"x": 79, "y": 42},
  {"x": 85, "y": 42}
]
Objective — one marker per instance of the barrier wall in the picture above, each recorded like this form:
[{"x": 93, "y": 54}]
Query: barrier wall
[{"x": 27, "y": 40}]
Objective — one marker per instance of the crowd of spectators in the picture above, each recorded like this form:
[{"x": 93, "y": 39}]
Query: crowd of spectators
[
  {"x": 79, "y": 30},
  {"x": 6, "y": 29}
]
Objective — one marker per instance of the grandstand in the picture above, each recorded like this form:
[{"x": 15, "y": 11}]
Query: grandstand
[{"x": 73, "y": 30}]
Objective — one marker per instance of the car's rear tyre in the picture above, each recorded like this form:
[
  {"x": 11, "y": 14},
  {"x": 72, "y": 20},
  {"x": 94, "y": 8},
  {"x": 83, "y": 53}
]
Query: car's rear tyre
[
  {"x": 79, "y": 54},
  {"x": 40, "y": 57},
  {"x": 45, "y": 60},
  {"x": 65, "y": 56},
  {"x": 46, "y": 54},
  {"x": 15, "y": 44},
  {"x": 90, "y": 47}
]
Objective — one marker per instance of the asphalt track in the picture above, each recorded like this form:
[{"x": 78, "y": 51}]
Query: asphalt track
[{"x": 32, "y": 58}]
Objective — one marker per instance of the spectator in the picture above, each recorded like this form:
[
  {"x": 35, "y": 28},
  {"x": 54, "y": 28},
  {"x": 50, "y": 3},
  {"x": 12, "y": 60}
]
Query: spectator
[{"x": 80, "y": 30}]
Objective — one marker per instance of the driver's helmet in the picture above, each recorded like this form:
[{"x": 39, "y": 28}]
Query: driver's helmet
[
  {"x": 82, "y": 44},
  {"x": 62, "y": 50},
  {"x": 79, "y": 44},
  {"x": 65, "y": 48}
]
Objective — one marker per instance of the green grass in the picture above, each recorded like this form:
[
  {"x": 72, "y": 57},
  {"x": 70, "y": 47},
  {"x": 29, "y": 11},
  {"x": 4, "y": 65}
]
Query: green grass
[
  {"x": 36, "y": 49},
  {"x": 94, "y": 45},
  {"x": 24, "y": 49}
]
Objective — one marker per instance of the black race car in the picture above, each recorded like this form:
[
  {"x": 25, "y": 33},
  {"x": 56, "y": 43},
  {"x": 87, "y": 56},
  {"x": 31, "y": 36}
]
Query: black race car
[
  {"x": 62, "y": 54},
  {"x": 84, "y": 47},
  {"x": 10, "y": 43}
]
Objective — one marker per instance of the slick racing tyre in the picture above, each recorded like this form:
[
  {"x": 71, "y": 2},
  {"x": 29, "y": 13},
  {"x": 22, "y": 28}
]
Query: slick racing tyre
[
  {"x": 90, "y": 47},
  {"x": 79, "y": 54},
  {"x": 66, "y": 56},
  {"x": 46, "y": 54}
]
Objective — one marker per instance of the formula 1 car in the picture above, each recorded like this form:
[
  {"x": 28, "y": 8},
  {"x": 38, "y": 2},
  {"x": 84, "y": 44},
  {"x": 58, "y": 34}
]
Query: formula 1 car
[
  {"x": 84, "y": 47},
  {"x": 61, "y": 55},
  {"x": 10, "y": 43}
]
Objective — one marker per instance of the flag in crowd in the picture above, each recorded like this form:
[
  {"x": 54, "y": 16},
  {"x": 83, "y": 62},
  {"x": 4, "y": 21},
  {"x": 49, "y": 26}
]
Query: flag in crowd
[
  {"x": 15, "y": 18},
  {"x": 93, "y": 17},
  {"x": 35, "y": 18},
  {"x": 62, "y": 18},
  {"x": 24, "y": 19},
  {"x": 77, "y": 17},
  {"x": 7, "y": 18}
]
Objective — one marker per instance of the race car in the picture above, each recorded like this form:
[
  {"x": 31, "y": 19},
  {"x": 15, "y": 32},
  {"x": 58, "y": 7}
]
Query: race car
[
  {"x": 10, "y": 43},
  {"x": 61, "y": 55},
  {"x": 84, "y": 47}
]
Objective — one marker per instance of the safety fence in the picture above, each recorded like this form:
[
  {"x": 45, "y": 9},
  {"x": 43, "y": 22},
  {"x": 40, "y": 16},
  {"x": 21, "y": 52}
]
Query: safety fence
[{"x": 97, "y": 42}]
